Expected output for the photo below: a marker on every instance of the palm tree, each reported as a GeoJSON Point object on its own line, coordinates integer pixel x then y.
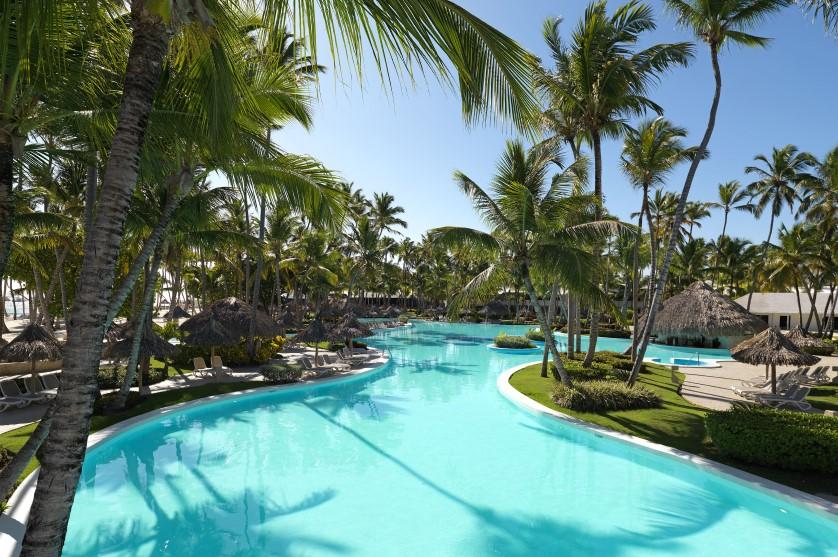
{"type": "Point", "coordinates": [732, 197]}
{"type": "Point", "coordinates": [778, 187]}
{"type": "Point", "coordinates": [384, 213]}
{"type": "Point", "coordinates": [717, 24]}
{"type": "Point", "coordinates": [530, 229]}
{"type": "Point", "coordinates": [826, 9]}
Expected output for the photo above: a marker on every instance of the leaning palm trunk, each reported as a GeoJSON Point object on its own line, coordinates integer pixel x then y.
{"type": "Point", "coordinates": [663, 272]}
{"type": "Point", "coordinates": [257, 283]}
{"type": "Point", "coordinates": [183, 183]}
{"type": "Point", "coordinates": [7, 207]}
{"type": "Point", "coordinates": [593, 335]}
{"type": "Point", "coordinates": [139, 328]}
{"type": "Point", "coordinates": [559, 371]}
{"type": "Point", "coordinates": [65, 445]}
{"type": "Point", "coordinates": [551, 315]}
{"type": "Point", "coordinates": [12, 471]}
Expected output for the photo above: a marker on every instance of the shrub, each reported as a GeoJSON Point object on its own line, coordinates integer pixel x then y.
{"type": "Point", "coordinates": [5, 457]}
{"type": "Point", "coordinates": [112, 376]}
{"type": "Point", "coordinates": [403, 318]}
{"type": "Point", "coordinates": [506, 341]}
{"type": "Point", "coordinates": [231, 355]}
{"type": "Point", "coordinates": [599, 396]}
{"type": "Point", "coordinates": [777, 438]}
{"type": "Point", "coordinates": [614, 360]}
{"type": "Point", "coordinates": [819, 350]}
{"type": "Point", "coordinates": [595, 372]}
{"type": "Point", "coordinates": [170, 330]}
{"type": "Point", "coordinates": [535, 334]}
{"type": "Point", "coordinates": [281, 373]}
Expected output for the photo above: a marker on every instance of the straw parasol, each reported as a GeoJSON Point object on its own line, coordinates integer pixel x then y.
{"type": "Point", "coordinates": [211, 333]}
{"type": "Point", "coordinates": [151, 344]}
{"type": "Point", "coordinates": [392, 312]}
{"type": "Point", "coordinates": [234, 317]}
{"type": "Point", "coordinates": [699, 311]}
{"type": "Point", "coordinates": [34, 343]}
{"type": "Point", "coordinates": [288, 320]}
{"type": "Point", "coordinates": [176, 312]}
{"type": "Point", "coordinates": [771, 348]}
{"type": "Point", "coordinates": [350, 328]}
{"type": "Point", "coordinates": [315, 332]}
{"type": "Point", "coordinates": [494, 308]}
{"type": "Point", "coordinates": [808, 343]}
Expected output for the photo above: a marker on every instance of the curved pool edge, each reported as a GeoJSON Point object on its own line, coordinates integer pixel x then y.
{"type": "Point", "coordinates": [791, 495]}
{"type": "Point", "coordinates": [13, 520]}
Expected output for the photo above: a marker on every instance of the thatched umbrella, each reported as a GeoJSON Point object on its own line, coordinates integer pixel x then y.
{"type": "Point", "coordinates": [176, 312]}
{"type": "Point", "coordinates": [288, 320]}
{"type": "Point", "coordinates": [350, 328]}
{"type": "Point", "coordinates": [494, 308]}
{"type": "Point", "coordinates": [392, 312]}
{"type": "Point", "coordinates": [151, 344]}
{"type": "Point", "coordinates": [700, 311]}
{"type": "Point", "coordinates": [771, 348]}
{"type": "Point", "coordinates": [316, 332]}
{"type": "Point", "coordinates": [806, 342]}
{"type": "Point", "coordinates": [34, 343]}
{"type": "Point", "coordinates": [234, 316]}
{"type": "Point", "coordinates": [210, 332]}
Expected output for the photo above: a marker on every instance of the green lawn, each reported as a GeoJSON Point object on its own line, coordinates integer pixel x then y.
{"type": "Point", "coordinates": [14, 440]}
{"type": "Point", "coordinates": [824, 397]}
{"type": "Point", "coordinates": [677, 423]}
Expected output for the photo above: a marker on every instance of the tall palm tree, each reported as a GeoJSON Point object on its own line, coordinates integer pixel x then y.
{"type": "Point", "coordinates": [529, 221]}
{"type": "Point", "coordinates": [825, 9]}
{"type": "Point", "coordinates": [717, 24]}
{"type": "Point", "coordinates": [732, 197]}
{"type": "Point", "coordinates": [601, 79]}
{"type": "Point", "coordinates": [384, 213]}
{"type": "Point", "coordinates": [777, 187]}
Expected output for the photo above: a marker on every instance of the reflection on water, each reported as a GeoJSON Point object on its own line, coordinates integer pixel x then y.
{"type": "Point", "coordinates": [422, 457]}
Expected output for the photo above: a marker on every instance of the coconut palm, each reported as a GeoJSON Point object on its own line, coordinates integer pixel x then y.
{"type": "Point", "coordinates": [778, 187]}
{"type": "Point", "coordinates": [384, 213]}
{"type": "Point", "coordinates": [732, 197]}
{"type": "Point", "coordinates": [825, 9]}
{"type": "Point", "coordinates": [529, 230]}
{"type": "Point", "coordinates": [717, 24]}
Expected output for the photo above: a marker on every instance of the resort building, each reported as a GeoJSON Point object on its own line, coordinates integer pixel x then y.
{"type": "Point", "coordinates": [781, 309]}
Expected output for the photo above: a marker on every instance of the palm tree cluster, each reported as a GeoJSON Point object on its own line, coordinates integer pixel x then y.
{"type": "Point", "coordinates": [141, 165]}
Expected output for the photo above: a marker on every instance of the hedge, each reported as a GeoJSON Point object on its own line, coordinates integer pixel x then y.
{"type": "Point", "coordinates": [777, 438]}
{"type": "Point", "coordinates": [599, 396]}
{"type": "Point", "coordinates": [281, 373]}
{"type": "Point", "coordinates": [535, 334]}
{"type": "Point", "coordinates": [506, 341]}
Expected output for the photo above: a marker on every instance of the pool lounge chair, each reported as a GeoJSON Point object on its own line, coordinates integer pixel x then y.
{"type": "Point", "coordinates": [34, 385]}
{"type": "Point", "coordinates": [795, 398]}
{"type": "Point", "coordinates": [10, 389]}
{"type": "Point", "coordinates": [201, 367]}
{"type": "Point", "coordinates": [12, 402]}
{"type": "Point", "coordinates": [316, 370]}
{"type": "Point", "coordinates": [218, 367]}
{"type": "Point", "coordinates": [760, 382]}
{"type": "Point", "coordinates": [350, 357]}
{"type": "Point", "coordinates": [50, 380]}
{"type": "Point", "coordinates": [326, 361]}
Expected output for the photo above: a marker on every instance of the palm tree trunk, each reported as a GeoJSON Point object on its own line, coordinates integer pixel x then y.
{"type": "Point", "coordinates": [7, 206]}
{"type": "Point", "coordinates": [593, 321]}
{"type": "Point", "coordinates": [577, 316]}
{"type": "Point", "coordinates": [551, 315]}
{"type": "Point", "coordinates": [90, 192]}
{"type": "Point", "coordinates": [140, 323]}
{"type": "Point", "coordinates": [679, 216]}
{"type": "Point", "coordinates": [257, 281]}
{"type": "Point", "coordinates": [184, 183]}
{"type": "Point", "coordinates": [756, 267]}
{"type": "Point", "coordinates": [635, 288]}
{"type": "Point", "coordinates": [571, 324]}
{"type": "Point", "coordinates": [559, 372]}
{"type": "Point", "coordinates": [799, 305]}
{"type": "Point", "coordinates": [719, 248]}
{"type": "Point", "coordinates": [65, 445]}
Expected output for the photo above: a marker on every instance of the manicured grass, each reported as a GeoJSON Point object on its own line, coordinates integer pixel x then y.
{"type": "Point", "coordinates": [677, 423]}
{"type": "Point", "coordinates": [14, 440]}
{"type": "Point", "coordinates": [824, 397]}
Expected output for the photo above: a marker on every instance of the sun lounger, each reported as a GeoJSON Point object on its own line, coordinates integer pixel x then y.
{"type": "Point", "coordinates": [35, 386]}
{"type": "Point", "coordinates": [50, 380]}
{"type": "Point", "coordinates": [10, 390]}
{"type": "Point", "coordinates": [347, 355]}
{"type": "Point", "coordinates": [327, 361]}
{"type": "Point", "coordinates": [794, 398]}
{"type": "Point", "coordinates": [218, 367]}
{"type": "Point", "coordinates": [315, 370]}
{"type": "Point", "coordinates": [201, 367]}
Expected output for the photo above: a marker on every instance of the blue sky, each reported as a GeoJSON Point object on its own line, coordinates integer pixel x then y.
{"type": "Point", "coordinates": [409, 141]}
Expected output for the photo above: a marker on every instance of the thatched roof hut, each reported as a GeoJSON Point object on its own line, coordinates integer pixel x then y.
{"type": "Point", "coordinates": [234, 316]}
{"type": "Point", "coordinates": [808, 343]}
{"type": "Point", "coordinates": [288, 320]}
{"type": "Point", "coordinates": [495, 308]}
{"type": "Point", "coordinates": [151, 344]}
{"type": "Point", "coordinates": [771, 348]}
{"type": "Point", "coordinates": [349, 327]}
{"type": "Point", "coordinates": [392, 312]}
{"type": "Point", "coordinates": [210, 332]}
{"type": "Point", "coordinates": [32, 344]}
{"type": "Point", "coordinates": [699, 312]}
{"type": "Point", "coordinates": [315, 332]}
{"type": "Point", "coordinates": [176, 312]}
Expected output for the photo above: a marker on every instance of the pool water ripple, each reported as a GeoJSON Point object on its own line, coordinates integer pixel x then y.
{"type": "Point", "coordinates": [422, 457]}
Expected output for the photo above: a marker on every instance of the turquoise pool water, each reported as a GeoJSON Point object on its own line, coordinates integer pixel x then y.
{"type": "Point", "coordinates": [422, 458]}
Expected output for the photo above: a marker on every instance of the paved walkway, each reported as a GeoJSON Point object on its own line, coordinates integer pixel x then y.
{"type": "Point", "coordinates": [13, 419]}
{"type": "Point", "coordinates": [711, 387]}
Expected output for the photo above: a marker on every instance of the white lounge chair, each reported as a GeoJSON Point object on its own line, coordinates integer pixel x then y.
{"type": "Point", "coordinates": [201, 367]}
{"type": "Point", "coordinates": [11, 390]}
{"type": "Point", "coordinates": [327, 361]}
{"type": "Point", "coordinates": [794, 398]}
{"type": "Point", "coordinates": [317, 371]}
{"type": "Point", "coordinates": [34, 386]}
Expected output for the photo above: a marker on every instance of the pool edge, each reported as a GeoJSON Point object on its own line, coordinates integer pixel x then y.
{"type": "Point", "coordinates": [794, 496]}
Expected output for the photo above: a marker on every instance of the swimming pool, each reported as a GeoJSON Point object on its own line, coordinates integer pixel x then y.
{"type": "Point", "coordinates": [421, 458]}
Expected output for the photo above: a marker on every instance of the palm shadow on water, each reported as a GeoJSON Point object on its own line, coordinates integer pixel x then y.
{"type": "Point", "coordinates": [687, 511]}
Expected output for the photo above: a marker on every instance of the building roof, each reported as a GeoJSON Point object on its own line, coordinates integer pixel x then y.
{"type": "Point", "coordinates": [764, 303]}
